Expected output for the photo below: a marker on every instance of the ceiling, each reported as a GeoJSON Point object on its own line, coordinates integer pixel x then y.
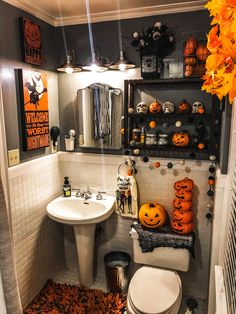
{"type": "Point", "coordinates": [69, 12]}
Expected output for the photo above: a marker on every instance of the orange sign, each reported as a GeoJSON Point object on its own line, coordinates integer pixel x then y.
{"type": "Point", "coordinates": [35, 114]}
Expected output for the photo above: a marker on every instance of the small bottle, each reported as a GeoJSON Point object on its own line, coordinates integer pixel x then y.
{"type": "Point", "coordinates": [136, 134]}
{"type": "Point", "coordinates": [66, 187]}
{"type": "Point", "coordinates": [142, 137]}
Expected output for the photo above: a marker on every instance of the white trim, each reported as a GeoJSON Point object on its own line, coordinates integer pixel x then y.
{"type": "Point", "coordinates": [133, 13]}
{"type": "Point", "coordinates": [33, 9]}
{"type": "Point", "coordinates": [221, 306]}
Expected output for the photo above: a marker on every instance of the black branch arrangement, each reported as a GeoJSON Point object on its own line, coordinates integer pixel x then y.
{"type": "Point", "coordinates": [158, 37]}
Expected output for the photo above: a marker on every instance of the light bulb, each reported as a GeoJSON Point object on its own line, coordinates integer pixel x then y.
{"type": "Point", "coordinates": [69, 70]}
{"type": "Point", "coordinates": [122, 67]}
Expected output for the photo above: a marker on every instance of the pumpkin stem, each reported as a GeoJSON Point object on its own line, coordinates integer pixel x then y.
{"type": "Point", "coordinates": [151, 205]}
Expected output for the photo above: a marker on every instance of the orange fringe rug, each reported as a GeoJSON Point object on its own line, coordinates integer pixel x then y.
{"type": "Point", "coordinates": [57, 298]}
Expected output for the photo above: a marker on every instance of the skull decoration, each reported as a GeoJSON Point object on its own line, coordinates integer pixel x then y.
{"type": "Point", "coordinates": [168, 107]}
{"type": "Point", "coordinates": [141, 107]}
{"type": "Point", "coordinates": [196, 106]}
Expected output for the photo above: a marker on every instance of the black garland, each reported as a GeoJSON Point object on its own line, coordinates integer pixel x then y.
{"type": "Point", "coordinates": [157, 37]}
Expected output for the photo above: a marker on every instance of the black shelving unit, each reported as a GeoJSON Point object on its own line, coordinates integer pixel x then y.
{"type": "Point", "coordinates": [174, 90]}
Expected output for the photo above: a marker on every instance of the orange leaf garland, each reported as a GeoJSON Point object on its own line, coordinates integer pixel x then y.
{"type": "Point", "coordinates": [220, 75]}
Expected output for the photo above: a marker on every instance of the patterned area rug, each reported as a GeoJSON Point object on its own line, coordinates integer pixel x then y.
{"type": "Point", "coordinates": [57, 298]}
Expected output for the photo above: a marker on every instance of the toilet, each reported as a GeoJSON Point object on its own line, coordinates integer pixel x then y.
{"type": "Point", "coordinates": [155, 288]}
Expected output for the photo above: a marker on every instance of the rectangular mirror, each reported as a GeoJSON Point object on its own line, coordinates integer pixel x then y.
{"type": "Point", "coordinates": [100, 109]}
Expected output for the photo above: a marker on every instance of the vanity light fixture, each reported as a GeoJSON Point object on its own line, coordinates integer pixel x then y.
{"type": "Point", "coordinates": [69, 66]}
{"type": "Point", "coordinates": [97, 64]}
{"type": "Point", "coordinates": [122, 63]}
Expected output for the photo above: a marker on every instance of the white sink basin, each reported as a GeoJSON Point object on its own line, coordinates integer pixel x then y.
{"type": "Point", "coordinates": [73, 210]}
{"type": "Point", "coordinates": [83, 215]}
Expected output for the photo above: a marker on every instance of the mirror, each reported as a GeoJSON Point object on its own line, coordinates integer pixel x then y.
{"type": "Point", "coordinates": [100, 109]}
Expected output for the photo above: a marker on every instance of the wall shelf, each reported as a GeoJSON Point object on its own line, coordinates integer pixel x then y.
{"type": "Point", "coordinates": [174, 90]}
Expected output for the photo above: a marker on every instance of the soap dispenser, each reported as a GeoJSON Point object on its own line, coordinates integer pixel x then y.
{"type": "Point", "coordinates": [66, 187]}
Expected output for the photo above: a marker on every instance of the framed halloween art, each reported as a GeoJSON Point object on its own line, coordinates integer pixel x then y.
{"type": "Point", "coordinates": [33, 105]}
{"type": "Point", "coordinates": [31, 42]}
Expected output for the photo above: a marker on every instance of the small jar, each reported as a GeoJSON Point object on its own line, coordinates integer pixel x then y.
{"type": "Point", "coordinates": [151, 139]}
{"type": "Point", "coordinates": [163, 139]}
{"type": "Point", "coordinates": [136, 135]}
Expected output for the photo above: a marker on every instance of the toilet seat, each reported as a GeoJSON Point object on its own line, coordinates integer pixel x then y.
{"type": "Point", "coordinates": [153, 290]}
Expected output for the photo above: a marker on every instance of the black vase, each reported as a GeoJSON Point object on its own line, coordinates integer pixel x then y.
{"type": "Point", "coordinates": [151, 64]}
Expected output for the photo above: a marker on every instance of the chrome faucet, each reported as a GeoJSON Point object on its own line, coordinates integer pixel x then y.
{"type": "Point", "coordinates": [99, 195]}
{"type": "Point", "coordinates": [79, 194]}
{"type": "Point", "coordinates": [87, 196]}
{"type": "Point", "coordinates": [88, 191]}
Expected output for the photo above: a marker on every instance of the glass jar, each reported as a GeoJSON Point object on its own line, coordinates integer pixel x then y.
{"type": "Point", "coordinates": [151, 139]}
{"type": "Point", "coordinates": [163, 139]}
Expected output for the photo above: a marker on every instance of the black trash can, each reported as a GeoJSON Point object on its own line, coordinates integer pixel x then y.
{"type": "Point", "coordinates": [117, 271]}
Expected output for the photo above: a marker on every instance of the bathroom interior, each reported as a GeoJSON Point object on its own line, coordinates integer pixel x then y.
{"type": "Point", "coordinates": [37, 246]}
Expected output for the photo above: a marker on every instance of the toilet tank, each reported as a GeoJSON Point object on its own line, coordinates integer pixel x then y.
{"type": "Point", "coordinates": [171, 258]}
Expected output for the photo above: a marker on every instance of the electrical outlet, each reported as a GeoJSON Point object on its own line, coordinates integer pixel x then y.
{"type": "Point", "coordinates": [13, 157]}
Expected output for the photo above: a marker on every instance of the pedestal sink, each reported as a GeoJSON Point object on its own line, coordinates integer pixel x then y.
{"type": "Point", "coordinates": [83, 215]}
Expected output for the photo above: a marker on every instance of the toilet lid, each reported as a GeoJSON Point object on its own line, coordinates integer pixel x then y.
{"type": "Point", "coordinates": [154, 290]}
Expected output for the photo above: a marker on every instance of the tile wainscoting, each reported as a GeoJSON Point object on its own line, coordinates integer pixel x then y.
{"type": "Point", "coordinates": [38, 241]}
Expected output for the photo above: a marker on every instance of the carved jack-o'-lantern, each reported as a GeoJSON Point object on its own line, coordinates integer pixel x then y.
{"type": "Point", "coordinates": [185, 184]}
{"type": "Point", "coordinates": [184, 107]}
{"type": "Point", "coordinates": [183, 195]}
{"type": "Point", "coordinates": [32, 34]}
{"type": "Point", "coordinates": [180, 139]}
{"type": "Point", "coordinates": [155, 107]}
{"type": "Point", "coordinates": [181, 205]}
{"type": "Point", "coordinates": [182, 216]}
{"type": "Point", "coordinates": [152, 215]}
{"type": "Point", "coordinates": [182, 228]}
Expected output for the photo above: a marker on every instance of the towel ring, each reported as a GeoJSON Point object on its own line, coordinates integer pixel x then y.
{"type": "Point", "coordinates": [127, 163]}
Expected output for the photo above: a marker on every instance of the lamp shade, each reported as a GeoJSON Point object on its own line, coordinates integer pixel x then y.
{"type": "Point", "coordinates": [97, 64]}
{"type": "Point", "coordinates": [69, 66]}
{"type": "Point", "coordinates": [122, 63]}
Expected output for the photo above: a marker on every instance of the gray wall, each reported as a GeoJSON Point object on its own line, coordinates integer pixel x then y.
{"type": "Point", "coordinates": [10, 59]}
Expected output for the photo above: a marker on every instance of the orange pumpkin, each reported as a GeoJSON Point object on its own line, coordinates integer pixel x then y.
{"type": "Point", "coordinates": [190, 46]}
{"type": "Point", "coordinates": [188, 70]}
{"type": "Point", "coordinates": [182, 216]}
{"type": "Point", "coordinates": [155, 107]}
{"type": "Point", "coordinates": [180, 139]}
{"type": "Point", "coordinates": [185, 184]}
{"type": "Point", "coordinates": [181, 205]}
{"type": "Point", "coordinates": [152, 124]}
{"type": "Point", "coordinates": [182, 228]}
{"type": "Point", "coordinates": [190, 61]}
{"type": "Point", "coordinates": [152, 215]}
{"type": "Point", "coordinates": [200, 146]}
{"type": "Point", "coordinates": [184, 107]}
{"type": "Point", "coordinates": [202, 52]}
{"type": "Point", "coordinates": [184, 195]}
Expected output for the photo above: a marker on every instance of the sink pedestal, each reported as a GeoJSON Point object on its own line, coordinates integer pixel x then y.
{"type": "Point", "coordinates": [84, 237]}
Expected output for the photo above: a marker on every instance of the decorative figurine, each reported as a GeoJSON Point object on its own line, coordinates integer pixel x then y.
{"type": "Point", "coordinates": [141, 107]}
{"type": "Point", "coordinates": [184, 106]}
{"type": "Point", "coordinates": [196, 106]}
{"type": "Point", "coordinates": [155, 107]}
{"type": "Point", "coordinates": [168, 107]}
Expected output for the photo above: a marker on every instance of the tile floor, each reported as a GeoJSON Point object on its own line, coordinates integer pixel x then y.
{"type": "Point", "coordinates": [71, 277]}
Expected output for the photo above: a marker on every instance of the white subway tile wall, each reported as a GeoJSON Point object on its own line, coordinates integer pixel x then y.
{"type": "Point", "coordinates": [100, 172]}
{"type": "Point", "coordinates": [38, 241]}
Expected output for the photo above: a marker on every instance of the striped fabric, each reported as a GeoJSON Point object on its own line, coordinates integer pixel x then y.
{"type": "Point", "coordinates": [11, 292]}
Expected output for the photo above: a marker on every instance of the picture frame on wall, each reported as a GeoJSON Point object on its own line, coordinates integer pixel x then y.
{"type": "Point", "coordinates": [151, 64]}
{"type": "Point", "coordinates": [31, 41]}
{"type": "Point", "coordinates": [33, 102]}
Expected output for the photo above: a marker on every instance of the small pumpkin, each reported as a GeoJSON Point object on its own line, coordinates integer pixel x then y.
{"type": "Point", "coordinates": [184, 184]}
{"type": "Point", "coordinates": [183, 216]}
{"type": "Point", "coordinates": [180, 139]}
{"type": "Point", "coordinates": [200, 146]}
{"type": "Point", "coordinates": [190, 46]}
{"type": "Point", "coordinates": [184, 106]}
{"type": "Point", "coordinates": [152, 124]}
{"type": "Point", "coordinates": [152, 215]}
{"type": "Point", "coordinates": [155, 107]}
{"type": "Point", "coordinates": [182, 228]}
{"type": "Point", "coordinates": [183, 195]}
{"type": "Point", "coordinates": [178, 204]}
{"type": "Point", "coordinates": [188, 71]}
{"type": "Point", "coordinates": [202, 52]}
{"type": "Point", "coordinates": [190, 61]}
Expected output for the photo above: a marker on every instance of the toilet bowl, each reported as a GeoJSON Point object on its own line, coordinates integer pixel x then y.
{"type": "Point", "coordinates": [156, 287]}
{"type": "Point", "coordinates": [154, 291]}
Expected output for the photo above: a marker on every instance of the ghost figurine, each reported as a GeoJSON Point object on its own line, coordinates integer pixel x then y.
{"type": "Point", "coordinates": [168, 107]}
{"type": "Point", "coordinates": [196, 106]}
{"type": "Point", "coordinates": [141, 107]}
